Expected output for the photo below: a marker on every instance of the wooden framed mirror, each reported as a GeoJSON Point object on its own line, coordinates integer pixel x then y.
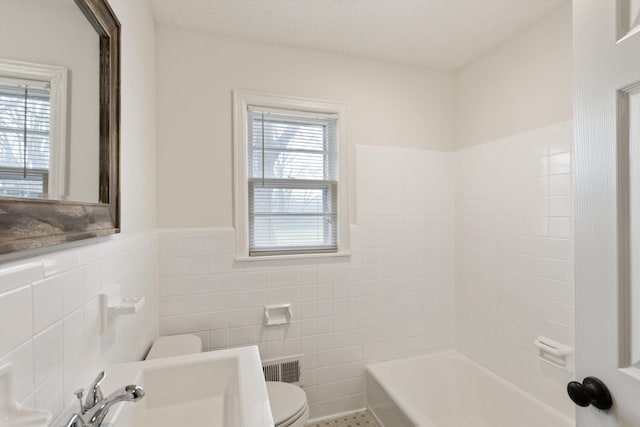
{"type": "Point", "coordinates": [28, 222]}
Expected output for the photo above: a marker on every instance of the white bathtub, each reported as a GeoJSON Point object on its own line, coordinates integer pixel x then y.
{"type": "Point", "coordinates": [447, 389]}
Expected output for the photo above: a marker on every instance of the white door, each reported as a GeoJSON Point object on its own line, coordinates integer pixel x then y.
{"type": "Point", "coordinates": [607, 141]}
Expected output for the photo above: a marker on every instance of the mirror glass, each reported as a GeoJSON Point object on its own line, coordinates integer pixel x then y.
{"type": "Point", "coordinates": [49, 102]}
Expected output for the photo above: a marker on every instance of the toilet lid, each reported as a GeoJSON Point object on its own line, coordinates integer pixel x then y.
{"type": "Point", "coordinates": [287, 400]}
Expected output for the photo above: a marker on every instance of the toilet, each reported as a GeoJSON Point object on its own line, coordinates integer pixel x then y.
{"type": "Point", "coordinates": [288, 404]}
{"type": "Point", "coordinates": [288, 401]}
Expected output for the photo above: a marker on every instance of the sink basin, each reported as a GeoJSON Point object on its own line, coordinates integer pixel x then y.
{"type": "Point", "coordinates": [223, 388]}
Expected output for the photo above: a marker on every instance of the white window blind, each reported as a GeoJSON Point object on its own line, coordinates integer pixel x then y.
{"type": "Point", "coordinates": [24, 138]}
{"type": "Point", "coordinates": [293, 182]}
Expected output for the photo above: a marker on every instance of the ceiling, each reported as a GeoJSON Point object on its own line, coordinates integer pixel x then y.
{"type": "Point", "coordinates": [444, 34]}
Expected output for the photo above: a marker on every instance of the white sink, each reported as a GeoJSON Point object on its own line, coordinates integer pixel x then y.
{"type": "Point", "coordinates": [223, 388]}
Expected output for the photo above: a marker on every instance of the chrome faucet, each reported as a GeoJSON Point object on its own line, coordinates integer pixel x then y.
{"type": "Point", "coordinates": [96, 407]}
{"type": "Point", "coordinates": [94, 395]}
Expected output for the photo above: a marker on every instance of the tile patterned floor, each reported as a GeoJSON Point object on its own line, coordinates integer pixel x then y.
{"type": "Point", "coordinates": [357, 419]}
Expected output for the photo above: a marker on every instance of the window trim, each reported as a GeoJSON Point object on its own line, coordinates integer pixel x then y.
{"type": "Point", "coordinates": [242, 100]}
{"type": "Point", "coordinates": [57, 78]}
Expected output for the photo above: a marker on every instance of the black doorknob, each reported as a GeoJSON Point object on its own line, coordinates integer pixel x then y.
{"type": "Point", "coordinates": [591, 391]}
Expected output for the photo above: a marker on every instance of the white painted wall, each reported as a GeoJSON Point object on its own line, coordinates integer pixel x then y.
{"type": "Point", "coordinates": [524, 84]}
{"type": "Point", "coordinates": [138, 148]}
{"type": "Point", "coordinates": [48, 303]}
{"type": "Point", "coordinates": [44, 33]}
{"type": "Point", "coordinates": [388, 105]}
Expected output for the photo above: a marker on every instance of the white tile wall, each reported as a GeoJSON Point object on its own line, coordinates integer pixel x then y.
{"type": "Point", "coordinates": [49, 319]}
{"type": "Point", "coordinates": [392, 298]}
{"type": "Point", "coordinates": [513, 220]}
{"type": "Point", "coordinates": [514, 256]}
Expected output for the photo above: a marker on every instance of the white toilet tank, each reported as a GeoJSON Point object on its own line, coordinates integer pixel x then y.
{"type": "Point", "coordinates": [175, 345]}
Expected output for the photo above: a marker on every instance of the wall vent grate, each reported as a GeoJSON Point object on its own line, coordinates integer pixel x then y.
{"type": "Point", "coordinates": [284, 369]}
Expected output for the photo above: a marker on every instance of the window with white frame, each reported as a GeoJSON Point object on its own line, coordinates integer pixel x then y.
{"type": "Point", "coordinates": [32, 130]}
{"type": "Point", "coordinates": [290, 186]}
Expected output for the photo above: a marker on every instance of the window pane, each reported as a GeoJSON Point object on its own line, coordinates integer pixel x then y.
{"type": "Point", "coordinates": [16, 185]}
{"type": "Point", "coordinates": [292, 171]}
{"type": "Point", "coordinates": [273, 232]}
{"type": "Point", "coordinates": [272, 199]}
{"type": "Point", "coordinates": [24, 140]}
{"type": "Point", "coordinates": [287, 134]}
{"type": "Point", "coordinates": [289, 165]}
{"type": "Point", "coordinates": [12, 150]}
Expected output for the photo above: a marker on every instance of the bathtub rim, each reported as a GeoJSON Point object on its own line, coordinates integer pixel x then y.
{"type": "Point", "coordinates": [414, 412]}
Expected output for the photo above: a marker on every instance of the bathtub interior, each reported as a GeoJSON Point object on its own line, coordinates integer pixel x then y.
{"type": "Point", "coordinates": [447, 389]}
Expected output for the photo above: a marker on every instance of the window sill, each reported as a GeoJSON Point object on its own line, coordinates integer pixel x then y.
{"type": "Point", "coordinates": [296, 256]}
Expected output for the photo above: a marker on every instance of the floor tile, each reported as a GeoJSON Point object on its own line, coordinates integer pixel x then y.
{"type": "Point", "coordinates": [357, 419]}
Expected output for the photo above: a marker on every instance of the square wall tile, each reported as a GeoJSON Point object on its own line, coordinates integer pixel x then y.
{"type": "Point", "coordinates": [16, 318]}
{"type": "Point", "coordinates": [48, 297]}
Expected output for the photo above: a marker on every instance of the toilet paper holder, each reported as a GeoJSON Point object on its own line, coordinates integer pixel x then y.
{"type": "Point", "coordinates": [277, 314]}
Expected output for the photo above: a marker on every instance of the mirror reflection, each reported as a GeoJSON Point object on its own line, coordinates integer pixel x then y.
{"type": "Point", "coordinates": [25, 112]}
{"type": "Point", "coordinates": [49, 101]}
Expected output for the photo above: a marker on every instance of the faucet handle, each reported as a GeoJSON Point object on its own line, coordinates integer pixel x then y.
{"type": "Point", "coordinates": [95, 394]}
{"type": "Point", "coordinates": [79, 392]}
{"type": "Point", "coordinates": [75, 421]}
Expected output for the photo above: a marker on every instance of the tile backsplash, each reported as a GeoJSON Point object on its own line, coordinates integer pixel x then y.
{"type": "Point", "coordinates": [515, 256]}
{"type": "Point", "coordinates": [392, 297]}
{"type": "Point", "coordinates": [50, 320]}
